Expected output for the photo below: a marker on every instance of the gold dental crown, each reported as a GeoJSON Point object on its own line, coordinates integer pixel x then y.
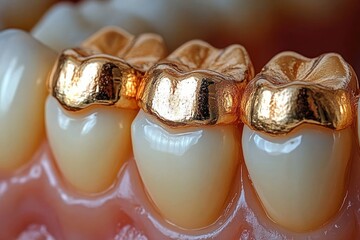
{"type": "Point", "coordinates": [292, 89]}
{"type": "Point", "coordinates": [197, 84]}
{"type": "Point", "coordinates": [106, 70]}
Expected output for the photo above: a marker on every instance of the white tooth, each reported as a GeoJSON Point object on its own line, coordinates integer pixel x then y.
{"type": "Point", "coordinates": [81, 21]}
{"type": "Point", "coordinates": [299, 177]}
{"type": "Point", "coordinates": [97, 13]}
{"type": "Point", "coordinates": [22, 14]}
{"type": "Point", "coordinates": [187, 172]}
{"type": "Point", "coordinates": [62, 27]}
{"type": "Point", "coordinates": [25, 64]}
{"type": "Point", "coordinates": [89, 146]}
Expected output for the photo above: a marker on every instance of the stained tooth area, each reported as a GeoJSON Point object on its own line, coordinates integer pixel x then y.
{"type": "Point", "coordinates": [25, 64]}
{"type": "Point", "coordinates": [300, 177]}
{"type": "Point", "coordinates": [90, 145]}
{"type": "Point", "coordinates": [187, 171]}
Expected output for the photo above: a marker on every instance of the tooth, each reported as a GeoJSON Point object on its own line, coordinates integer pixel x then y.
{"type": "Point", "coordinates": [299, 170]}
{"type": "Point", "coordinates": [89, 146]}
{"type": "Point", "coordinates": [25, 64]}
{"type": "Point", "coordinates": [89, 125]}
{"type": "Point", "coordinates": [59, 32]}
{"type": "Point", "coordinates": [299, 177]}
{"type": "Point", "coordinates": [186, 164]}
{"type": "Point", "coordinates": [81, 21]}
{"type": "Point", "coordinates": [30, 13]}
{"type": "Point", "coordinates": [181, 172]}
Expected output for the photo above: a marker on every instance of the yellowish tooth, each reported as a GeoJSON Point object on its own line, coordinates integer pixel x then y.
{"type": "Point", "coordinates": [92, 103]}
{"type": "Point", "coordinates": [187, 171]}
{"type": "Point", "coordinates": [300, 177]}
{"type": "Point", "coordinates": [185, 137]}
{"type": "Point", "coordinates": [297, 139]}
{"type": "Point", "coordinates": [25, 65]}
{"type": "Point", "coordinates": [89, 146]}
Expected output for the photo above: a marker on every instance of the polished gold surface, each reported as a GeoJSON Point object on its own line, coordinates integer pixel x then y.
{"type": "Point", "coordinates": [106, 70]}
{"type": "Point", "coordinates": [292, 89]}
{"type": "Point", "coordinates": [196, 85]}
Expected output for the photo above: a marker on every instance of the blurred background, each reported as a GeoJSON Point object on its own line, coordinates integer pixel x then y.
{"type": "Point", "coordinates": [264, 27]}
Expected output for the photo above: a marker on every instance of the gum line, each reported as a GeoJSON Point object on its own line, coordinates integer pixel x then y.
{"type": "Point", "coordinates": [35, 201]}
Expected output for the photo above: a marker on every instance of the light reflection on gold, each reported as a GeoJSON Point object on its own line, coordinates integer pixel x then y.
{"type": "Point", "coordinates": [292, 89]}
{"type": "Point", "coordinates": [107, 70]}
{"type": "Point", "coordinates": [197, 84]}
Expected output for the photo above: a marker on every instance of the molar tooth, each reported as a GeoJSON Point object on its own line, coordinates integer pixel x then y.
{"type": "Point", "coordinates": [89, 131]}
{"type": "Point", "coordinates": [183, 159]}
{"type": "Point", "coordinates": [298, 170]}
{"type": "Point", "coordinates": [82, 20]}
{"type": "Point", "coordinates": [59, 32]}
{"type": "Point", "coordinates": [25, 65]}
{"type": "Point", "coordinates": [183, 168]}
{"type": "Point", "coordinates": [300, 178]}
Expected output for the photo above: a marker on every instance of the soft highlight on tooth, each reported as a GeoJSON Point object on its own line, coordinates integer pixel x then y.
{"type": "Point", "coordinates": [89, 146]}
{"type": "Point", "coordinates": [187, 172]}
{"type": "Point", "coordinates": [161, 141]}
{"type": "Point", "coordinates": [25, 65]}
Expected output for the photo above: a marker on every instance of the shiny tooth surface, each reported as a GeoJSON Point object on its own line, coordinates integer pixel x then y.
{"type": "Point", "coordinates": [299, 177]}
{"type": "Point", "coordinates": [25, 65]}
{"type": "Point", "coordinates": [89, 146]}
{"type": "Point", "coordinates": [187, 172]}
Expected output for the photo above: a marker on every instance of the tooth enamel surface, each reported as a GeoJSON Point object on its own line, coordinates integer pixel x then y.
{"type": "Point", "coordinates": [25, 64]}
{"type": "Point", "coordinates": [59, 32]}
{"type": "Point", "coordinates": [187, 171]}
{"type": "Point", "coordinates": [90, 145]}
{"type": "Point", "coordinates": [300, 177]}
{"type": "Point", "coordinates": [82, 20]}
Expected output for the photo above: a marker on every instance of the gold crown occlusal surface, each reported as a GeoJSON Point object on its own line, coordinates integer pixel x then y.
{"type": "Point", "coordinates": [106, 70]}
{"type": "Point", "coordinates": [197, 85]}
{"type": "Point", "coordinates": [292, 89]}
